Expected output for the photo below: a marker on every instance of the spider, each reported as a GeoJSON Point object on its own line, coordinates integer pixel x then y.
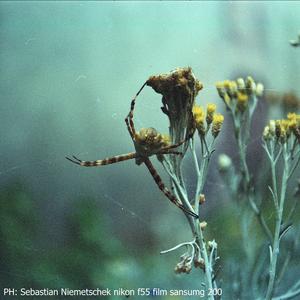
{"type": "Point", "coordinates": [147, 142]}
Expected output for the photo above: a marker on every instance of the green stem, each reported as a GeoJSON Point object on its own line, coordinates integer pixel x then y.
{"type": "Point", "coordinates": [179, 190]}
{"type": "Point", "coordinates": [279, 215]}
{"type": "Point", "coordinates": [201, 176]}
{"type": "Point", "coordinates": [247, 185]}
{"type": "Point", "coordinates": [274, 185]}
{"type": "Point", "coordinates": [208, 267]}
{"type": "Point", "coordinates": [201, 171]}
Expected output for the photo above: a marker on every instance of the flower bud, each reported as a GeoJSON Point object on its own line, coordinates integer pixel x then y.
{"type": "Point", "coordinates": [201, 199]}
{"type": "Point", "coordinates": [224, 162]}
{"type": "Point", "coordinates": [218, 120]}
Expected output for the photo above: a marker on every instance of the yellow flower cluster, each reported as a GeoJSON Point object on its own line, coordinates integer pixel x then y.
{"type": "Point", "coordinates": [283, 129]}
{"type": "Point", "coordinates": [200, 118]}
{"type": "Point", "coordinates": [237, 93]}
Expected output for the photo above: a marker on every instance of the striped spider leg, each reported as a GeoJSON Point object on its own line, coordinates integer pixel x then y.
{"type": "Point", "coordinates": [129, 117]}
{"type": "Point", "coordinates": [147, 142]}
{"type": "Point", "coordinates": [102, 162]}
{"type": "Point", "coordinates": [151, 133]}
{"type": "Point", "coordinates": [165, 190]}
{"type": "Point", "coordinates": [117, 158]}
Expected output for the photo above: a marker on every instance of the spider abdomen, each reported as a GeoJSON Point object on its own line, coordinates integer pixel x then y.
{"type": "Point", "coordinates": [149, 141]}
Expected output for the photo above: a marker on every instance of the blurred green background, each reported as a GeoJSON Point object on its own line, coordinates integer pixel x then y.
{"type": "Point", "coordinates": [68, 71]}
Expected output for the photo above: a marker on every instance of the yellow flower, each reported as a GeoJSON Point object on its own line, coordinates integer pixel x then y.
{"type": "Point", "coordinates": [227, 84]}
{"type": "Point", "coordinates": [219, 85]}
{"type": "Point", "coordinates": [291, 116]}
{"type": "Point", "coordinates": [284, 128]}
{"type": "Point", "coordinates": [277, 128]}
{"type": "Point", "coordinates": [199, 117]}
{"type": "Point", "coordinates": [250, 86]}
{"type": "Point", "coordinates": [266, 134]}
{"type": "Point", "coordinates": [221, 89]}
{"type": "Point", "coordinates": [218, 120]}
{"type": "Point", "coordinates": [272, 126]}
{"type": "Point", "coordinates": [232, 88]}
{"type": "Point", "coordinates": [292, 124]}
{"type": "Point", "coordinates": [283, 134]}
{"type": "Point", "coordinates": [210, 110]}
{"type": "Point", "coordinates": [242, 101]}
{"type": "Point", "coordinates": [241, 84]}
{"type": "Point", "coordinates": [237, 93]}
{"type": "Point", "coordinates": [294, 120]}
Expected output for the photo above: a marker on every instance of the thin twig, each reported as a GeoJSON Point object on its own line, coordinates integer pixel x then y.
{"type": "Point", "coordinates": [177, 247]}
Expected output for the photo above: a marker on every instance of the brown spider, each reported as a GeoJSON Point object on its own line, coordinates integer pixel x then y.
{"type": "Point", "coordinates": [147, 142]}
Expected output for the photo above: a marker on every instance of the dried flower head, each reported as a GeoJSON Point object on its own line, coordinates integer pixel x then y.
{"type": "Point", "coordinates": [199, 263]}
{"type": "Point", "coordinates": [203, 225]}
{"type": "Point", "coordinates": [185, 264]}
{"type": "Point", "coordinates": [266, 133]}
{"type": "Point", "coordinates": [201, 199]}
{"type": "Point", "coordinates": [179, 89]}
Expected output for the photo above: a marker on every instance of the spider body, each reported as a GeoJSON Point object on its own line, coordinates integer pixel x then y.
{"type": "Point", "coordinates": [147, 142]}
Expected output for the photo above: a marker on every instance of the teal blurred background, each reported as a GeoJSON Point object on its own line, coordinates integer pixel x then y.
{"type": "Point", "coordinates": [68, 71]}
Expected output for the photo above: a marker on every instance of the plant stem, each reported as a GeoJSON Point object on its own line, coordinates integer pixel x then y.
{"type": "Point", "coordinates": [247, 185]}
{"type": "Point", "coordinates": [201, 176]}
{"type": "Point", "coordinates": [201, 171]}
{"type": "Point", "coordinates": [208, 267]}
{"type": "Point", "coordinates": [174, 171]}
{"type": "Point", "coordinates": [279, 214]}
{"type": "Point", "coordinates": [179, 189]}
